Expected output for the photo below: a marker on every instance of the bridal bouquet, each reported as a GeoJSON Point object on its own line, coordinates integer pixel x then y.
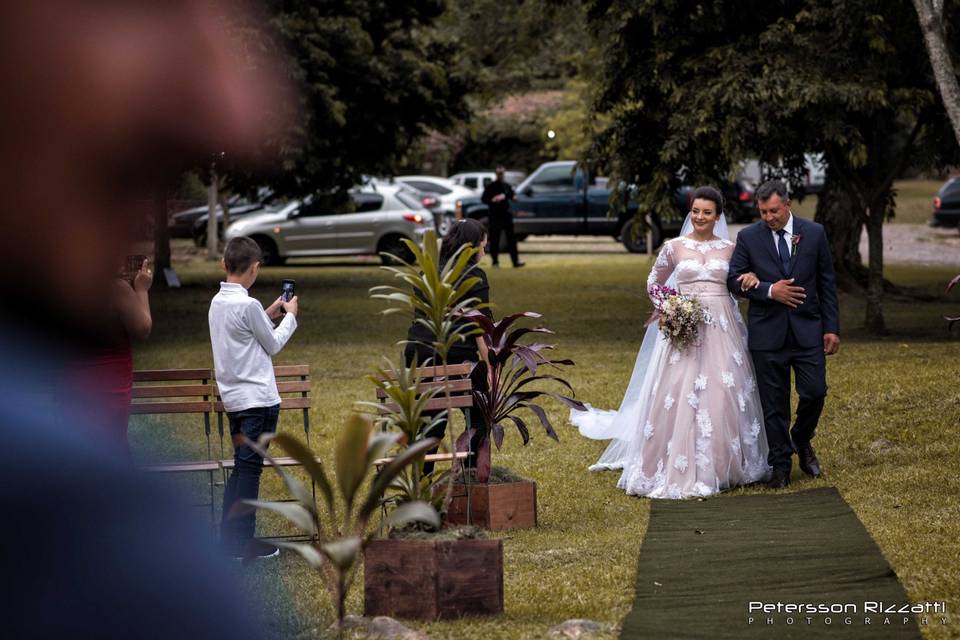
{"type": "Point", "coordinates": [680, 316]}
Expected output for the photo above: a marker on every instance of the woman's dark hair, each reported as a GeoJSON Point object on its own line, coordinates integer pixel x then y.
{"type": "Point", "coordinates": [708, 193]}
{"type": "Point", "coordinates": [467, 231]}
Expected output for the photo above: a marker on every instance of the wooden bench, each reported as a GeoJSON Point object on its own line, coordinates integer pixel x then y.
{"type": "Point", "coordinates": [179, 392]}
{"type": "Point", "coordinates": [194, 391]}
{"type": "Point", "coordinates": [293, 383]}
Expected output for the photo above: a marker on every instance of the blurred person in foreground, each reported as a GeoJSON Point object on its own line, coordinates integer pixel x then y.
{"type": "Point", "coordinates": [102, 104]}
{"type": "Point", "coordinates": [244, 340]}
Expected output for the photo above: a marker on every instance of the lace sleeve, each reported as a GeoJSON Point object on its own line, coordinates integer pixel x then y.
{"type": "Point", "coordinates": [663, 267]}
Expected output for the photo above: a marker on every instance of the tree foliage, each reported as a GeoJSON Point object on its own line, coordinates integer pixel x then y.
{"type": "Point", "coordinates": [702, 85]}
{"type": "Point", "coordinates": [372, 78]}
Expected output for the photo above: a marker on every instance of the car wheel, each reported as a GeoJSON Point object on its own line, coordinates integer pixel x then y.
{"type": "Point", "coordinates": [268, 249]}
{"type": "Point", "coordinates": [634, 237]}
{"type": "Point", "coordinates": [394, 246]}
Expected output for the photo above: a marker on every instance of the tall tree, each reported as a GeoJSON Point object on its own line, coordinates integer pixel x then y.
{"type": "Point", "coordinates": [373, 77]}
{"type": "Point", "coordinates": [701, 86]}
{"type": "Point", "coordinates": [932, 22]}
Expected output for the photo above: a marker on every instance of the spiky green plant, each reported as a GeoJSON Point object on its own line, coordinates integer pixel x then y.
{"type": "Point", "coordinates": [340, 535]}
{"type": "Point", "coordinates": [401, 385]}
{"type": "Point", "coordinates": [434, 295]}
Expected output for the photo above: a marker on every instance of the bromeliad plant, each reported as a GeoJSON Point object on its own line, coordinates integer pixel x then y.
{"type": "Point", "coordinates": [341, 533]}
{"type": "Point", "coordinates": [402, 388]}
{"type": "Point", "coordinates": [434, 295]}
{"type": "Point", "coordinates": [504, 384]}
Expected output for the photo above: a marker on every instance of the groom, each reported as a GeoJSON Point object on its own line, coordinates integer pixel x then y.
{"type": "Point", "coordinates": [793, 323]}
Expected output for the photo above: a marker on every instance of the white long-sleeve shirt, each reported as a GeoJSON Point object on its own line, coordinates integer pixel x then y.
{"type": "Point", "coordinates": [243, 339]}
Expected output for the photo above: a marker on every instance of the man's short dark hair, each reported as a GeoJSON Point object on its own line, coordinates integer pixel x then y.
{"type": "Point", "coordinates": [772, 187]}
{"type": "Point", "coordinates": [239, 254]}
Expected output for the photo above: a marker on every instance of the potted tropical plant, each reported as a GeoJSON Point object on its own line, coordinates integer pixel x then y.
{"type": "Point", "coordinates": [418, 570]}
{"type": "Point", "coordinates": [510, 381]}
{"type": "Point", "coordinates": [340, 534]}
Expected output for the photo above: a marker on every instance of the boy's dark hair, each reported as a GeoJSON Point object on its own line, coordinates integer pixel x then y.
{"type": "Point", "coordinates": [239, 254]}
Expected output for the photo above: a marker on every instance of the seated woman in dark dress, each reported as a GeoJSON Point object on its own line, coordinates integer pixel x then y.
{"type": "Point", "coordinates": [419, 349]}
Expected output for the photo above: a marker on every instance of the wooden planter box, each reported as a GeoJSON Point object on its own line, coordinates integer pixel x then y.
{"type": "Point", "coordinates": [430, 579]}
{"type": "Point", "coordinates": [495, 506]}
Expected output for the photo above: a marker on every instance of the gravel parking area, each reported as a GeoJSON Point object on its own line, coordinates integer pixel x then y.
{"type": "Point", "coordinates": [903, 244]}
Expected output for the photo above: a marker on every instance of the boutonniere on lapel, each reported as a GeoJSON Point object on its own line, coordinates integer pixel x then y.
{"type": "Point", "coordinates": [794, 241]}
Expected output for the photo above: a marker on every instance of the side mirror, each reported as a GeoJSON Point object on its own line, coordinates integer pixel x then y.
{"type": "Point", "coordinates": [527, 192]}
{"type": "Point", "coordinates": [294, 214]}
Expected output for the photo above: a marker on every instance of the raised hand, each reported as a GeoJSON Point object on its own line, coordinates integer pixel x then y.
{"type": "Point", "coordinates": [291, 306]}
{"type": "Point", "coordinates": [784, 292]}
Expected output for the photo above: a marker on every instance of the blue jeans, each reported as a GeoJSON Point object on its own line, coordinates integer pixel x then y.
{"type": "Point", "coordinates": [244, 481]}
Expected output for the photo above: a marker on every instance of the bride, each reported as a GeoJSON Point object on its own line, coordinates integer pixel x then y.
{"type": "Point", "coordinates": [690, 423]}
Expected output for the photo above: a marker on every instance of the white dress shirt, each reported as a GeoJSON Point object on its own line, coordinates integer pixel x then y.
{"type": "Point", "coordinates": [788, 236]}
{"type": "Point", "coordinates": [243, 339]}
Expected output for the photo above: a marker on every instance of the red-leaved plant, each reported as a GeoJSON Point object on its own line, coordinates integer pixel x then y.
{"type": "Point", "coordinates": [503, 385]}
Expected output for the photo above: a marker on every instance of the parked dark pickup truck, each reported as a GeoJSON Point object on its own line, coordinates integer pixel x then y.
{"type": "Point", "coordinates": [561, 198]}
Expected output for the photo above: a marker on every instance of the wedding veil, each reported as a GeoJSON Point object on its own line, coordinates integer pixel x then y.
{"type": "Point", "coordinates": [622, 426]}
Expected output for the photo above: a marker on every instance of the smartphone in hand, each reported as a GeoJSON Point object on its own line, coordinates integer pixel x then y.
{"type": "Point", "coordinates": [287, 289]}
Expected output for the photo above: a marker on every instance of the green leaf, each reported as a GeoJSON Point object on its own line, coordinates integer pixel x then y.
{"type": "Point", "coordinates": [307, 551]}
{"type": "Point", "coordinates": [351, 455]}
{"type": "Point", "coordinates": [292, 511]}
{"type": "Point", "coordinates": [342, 553]}
{"type": "Point", "coordinates": [299, 452]}
{"type": "Point", "coordinates": [411, 512]}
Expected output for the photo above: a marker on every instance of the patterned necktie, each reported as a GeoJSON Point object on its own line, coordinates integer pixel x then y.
{"type": "Point", "coordinates": [784, 251]}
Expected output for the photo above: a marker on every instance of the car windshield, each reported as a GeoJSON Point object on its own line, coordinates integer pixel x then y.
{"type": "Point", "coordinates": [429, 187]}
{"type": "Point", "coordinates": [409, 200]}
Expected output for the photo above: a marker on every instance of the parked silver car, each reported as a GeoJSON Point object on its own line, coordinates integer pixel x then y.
{"type": "Point", "coordinates": [384, 216]}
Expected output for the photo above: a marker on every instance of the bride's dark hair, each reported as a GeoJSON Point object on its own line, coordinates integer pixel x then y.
{"type": "Point", "coordinates": [708, 193]}
{"type": "Point", "coordinates": [468, 231]}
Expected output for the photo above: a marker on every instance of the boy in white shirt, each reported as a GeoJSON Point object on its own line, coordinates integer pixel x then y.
{"type": "Point", "coordinates": [244, 339]}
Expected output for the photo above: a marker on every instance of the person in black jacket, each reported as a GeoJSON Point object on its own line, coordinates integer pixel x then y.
{"type": "Point", "coordinates": [420, 339]}
{"type": "Point", "coordinates": [497, 196]}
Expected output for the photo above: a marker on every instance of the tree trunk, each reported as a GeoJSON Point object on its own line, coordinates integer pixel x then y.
{"type": "Point", "coordinates": [930, 13]}
{"type": "Point", "coordinates": [224, 198]}
{"type": "Point", "coordinates": [844, 227]}
{"type": "Point", "coordinates": [161, 239]}
{"type": "Point", "coordinates": [212, 237]}
{"type": "Point", "coordinates": [874, 321]}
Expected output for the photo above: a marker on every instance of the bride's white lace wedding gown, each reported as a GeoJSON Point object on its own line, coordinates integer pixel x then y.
{"type": "Point", "coordinates": [691, 424]}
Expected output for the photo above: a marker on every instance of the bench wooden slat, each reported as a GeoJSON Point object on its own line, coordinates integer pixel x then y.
{"type": "Point", "coordinates": [183, 467]}
{"type": "Point", "coordinates": [453, 371]}
{"type": "Point", "coordinates": [285, 403]}
{"type": "Point", "coordinates": [436, 404]}
{"type": "Point", "coordinates": [293, 386]}
{"type": "Point", "coordinates": [173, 391]}
{"type": "Point", "coordinates": [281, 462]}
{"type": "Point", "coordinates": [294, 403]}
{"type": "Point", "coordinates": [157, 375]}
{"type": "Point", "coordinates": [459, 385]}
{"type": "Point", "coordinates": [286, 370]}
{"type": "Point", "coordinates": [432, 457]}
{"type": "Point", "coordinates": [141, 408]}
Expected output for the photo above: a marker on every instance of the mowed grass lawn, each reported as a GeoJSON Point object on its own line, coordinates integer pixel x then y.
{"type": "Point", "coordinates": [888, 439]}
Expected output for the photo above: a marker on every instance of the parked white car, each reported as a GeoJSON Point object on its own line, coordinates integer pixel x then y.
{"type": "Point", "coordinates": [384, 216]}
{"type": "Point", "coordinates": [442, 188]}
{"type": "Point", "coordinates": [477, 180]}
